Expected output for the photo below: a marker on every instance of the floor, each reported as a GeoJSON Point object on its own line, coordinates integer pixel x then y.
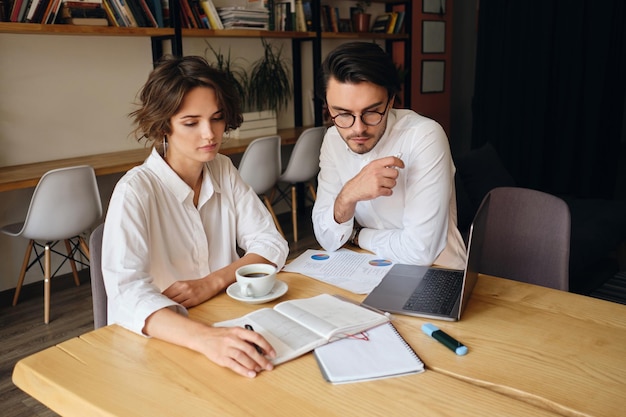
{"type": "Point", "coordinates": [23, 332]}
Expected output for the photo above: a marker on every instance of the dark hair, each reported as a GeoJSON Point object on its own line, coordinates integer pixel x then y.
{"type": "Point", "coordinates": [167, 85]}
{"type": "Point", "coordinates": [356, 62]}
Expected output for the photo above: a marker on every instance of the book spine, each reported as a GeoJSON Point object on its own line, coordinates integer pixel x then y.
{"type": "Point", "coordinates": [271, 24]}
{"type": "Point", "coordinates": [150, 19]}
{"type": "Point", "coordinates": [214, 17]}
{"type": "Point", "coordinates": [157, 11]}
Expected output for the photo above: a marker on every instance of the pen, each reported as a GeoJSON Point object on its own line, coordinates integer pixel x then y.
{"type": "Point", "coordinates": [257, 347]}
{"type": "Point", "coordinates": [444, 338]}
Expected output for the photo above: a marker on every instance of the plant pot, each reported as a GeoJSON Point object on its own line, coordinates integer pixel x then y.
{"type": "Point", "coordinates": [361, 22]}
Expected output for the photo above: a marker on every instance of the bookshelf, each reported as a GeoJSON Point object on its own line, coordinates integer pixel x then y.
{"type": "Point", "coordinates": [176, 33]}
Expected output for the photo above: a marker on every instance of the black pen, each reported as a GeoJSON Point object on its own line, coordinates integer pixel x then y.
{"type": "Point", "coordinates": [257, 347]}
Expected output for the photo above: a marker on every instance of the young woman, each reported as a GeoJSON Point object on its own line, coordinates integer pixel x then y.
{"type": "Point", "coordinates": [174, 223]}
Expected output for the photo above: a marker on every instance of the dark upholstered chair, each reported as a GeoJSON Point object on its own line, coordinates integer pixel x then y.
{"type": "Point", "coordinates": [527, 237]}
{"type": "Point", "coordinates": [598, 226]}
{"type": "Point", "coordinates": [98, 293]}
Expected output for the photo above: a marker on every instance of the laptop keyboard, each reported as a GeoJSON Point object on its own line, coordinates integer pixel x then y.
{"type": "Point", "coordinates": [436, 293]}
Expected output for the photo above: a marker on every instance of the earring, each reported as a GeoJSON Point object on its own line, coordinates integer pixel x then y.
{"type": "Point", "coordinates": [164, 146]}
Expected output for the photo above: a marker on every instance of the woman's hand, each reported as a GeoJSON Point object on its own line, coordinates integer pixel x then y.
{"type": "Point", "coordinates": [235, 348]}
{"type": "Point", "coordinates": [190, 293]}
{"type": "Point", "coordinates": [230, 347]}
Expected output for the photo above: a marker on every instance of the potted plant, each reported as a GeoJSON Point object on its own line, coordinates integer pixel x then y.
{"type": "Point", "coordinates": [235, 73]}
{"type": "Point", "coordinates": [265, 88]}
{"type": "Point", "coordinates": [269, 80]}
{"type": "Point", "coordinates": [268, 91]}
{"type": "Point", "coordinates": [360, 17]}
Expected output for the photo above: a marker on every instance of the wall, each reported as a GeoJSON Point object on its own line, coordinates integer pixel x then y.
{"type": "Point", "coordinates": [64, 96]}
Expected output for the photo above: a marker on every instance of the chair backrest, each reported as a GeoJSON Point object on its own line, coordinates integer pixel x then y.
{"type": "Point", "coordinates": [98, 292]}
{"type": "Point", "coordinates": [260, 164]}
{"type": "Point", "coordinates": [304, 162]}
{"type": "Point", "coordinates": [527, 237]}
{"type": "Point", "coordinates": [65, 203]}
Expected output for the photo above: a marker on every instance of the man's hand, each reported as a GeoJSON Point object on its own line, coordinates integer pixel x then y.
{"type": "Point", "coordinates": [376, 179]}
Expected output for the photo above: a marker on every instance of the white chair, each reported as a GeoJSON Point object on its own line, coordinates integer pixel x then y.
{"type": "Point", "coordinates": [260, 167]}
{"type": "Point", "coordinates": [302, 168]}
{"type": "Point", "coordinates": [65, 204]}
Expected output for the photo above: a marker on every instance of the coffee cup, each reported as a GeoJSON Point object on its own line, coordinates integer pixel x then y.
{"type": "Point", "coordinates": [255, 280]}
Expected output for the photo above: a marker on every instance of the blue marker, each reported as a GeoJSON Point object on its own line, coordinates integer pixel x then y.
{"type": "Point", "coordinates": [444, 338]}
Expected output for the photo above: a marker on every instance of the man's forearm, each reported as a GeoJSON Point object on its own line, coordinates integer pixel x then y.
{"type": "Point", "coordinates": [343, 209]}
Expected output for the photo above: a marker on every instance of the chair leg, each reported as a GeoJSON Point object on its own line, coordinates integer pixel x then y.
{"type": "Point", "coordinates": [46, 285]}
{"type": "Point", "coordinates": [20, 280]}
{"type": "Point", "coordinates": [294, 212]}
{"type": "Point", "coordinates": [84, 247]}
{"type": "Point", "coordinates": [68, 248]}
{"type": "Point", "coordinates": [268, 204]}
{"type": "Point", "coordinates": [312, 190]}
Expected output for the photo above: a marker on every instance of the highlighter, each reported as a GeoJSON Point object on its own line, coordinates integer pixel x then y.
{"type": "Point", "coordinates": [444, 338]}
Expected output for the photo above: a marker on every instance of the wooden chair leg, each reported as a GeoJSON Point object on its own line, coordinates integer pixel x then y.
{"type": "Point", "coordinates": [46, 285]}
{"type": "Point", "coordinates": [20, 280]}
{"type": "Point", "coordinates": [84, 247]}
{"type": "Point", "coordinates": [68, 249]}
{"type": "Point", "coordinates": [294, 212]}
{"type": "Point", "coordinates": [312, 190]}
{"type": "Point", "coordinates": [268, 204]}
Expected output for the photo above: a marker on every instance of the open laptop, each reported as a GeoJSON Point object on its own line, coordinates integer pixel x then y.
{"type": "Point", "coordinates": [404, 289]}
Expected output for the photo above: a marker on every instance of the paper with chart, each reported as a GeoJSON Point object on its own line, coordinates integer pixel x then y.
{"type": "Point", "coordinates": [350, 270]}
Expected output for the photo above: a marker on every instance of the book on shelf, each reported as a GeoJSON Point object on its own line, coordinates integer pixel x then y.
{"type": "Point", "coordinates": [296, 327]}
{"type": "Point", "coordinates": [53, 12]}
{"type": "Point", "coordinates": [392, 22]}
{"type": "Point", "coordinates": [300, 19]}
{"type": "Point", "coordinates": [156, 8]}
{"type": "Point", "coordinates": [235, 17]}
{"type": "Point", "coordinates": [214, 18]}
{"type": "Point", "coordinates": [381, 23]}
{"type": "Point", "coordinates": [378, 353]}
{"type": "Point", "coordinates": [399, 22]}
{"type": "Point", "coordinates": [86, 21]}
{"type": "Point", "coordinates": [147, 13]}
{"type": "Point", "coordinates": [125, 12]}
{"type": "Point", "coordinates": [308, 15]}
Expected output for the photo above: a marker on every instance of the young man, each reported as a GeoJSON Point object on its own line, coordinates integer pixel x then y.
{"type": "Point", "coordinates": [386, 180]}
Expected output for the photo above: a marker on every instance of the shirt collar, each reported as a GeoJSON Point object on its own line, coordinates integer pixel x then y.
{"type": "Point", "coordinates": [176, 185]}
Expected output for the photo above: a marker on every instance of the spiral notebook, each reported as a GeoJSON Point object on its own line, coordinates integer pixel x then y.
{"type": "Point", "coordinates": [378, 353]}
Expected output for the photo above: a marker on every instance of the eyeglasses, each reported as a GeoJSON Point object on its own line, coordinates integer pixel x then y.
{"type": "Point", "coordinates": [369, 118]}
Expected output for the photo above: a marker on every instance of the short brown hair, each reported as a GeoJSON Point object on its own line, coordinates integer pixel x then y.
{"type": "Point", "coordinates": [169, 82]}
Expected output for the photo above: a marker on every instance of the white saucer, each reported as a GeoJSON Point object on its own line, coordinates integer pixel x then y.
{"type": "Point", "coordinates": [280, 288]}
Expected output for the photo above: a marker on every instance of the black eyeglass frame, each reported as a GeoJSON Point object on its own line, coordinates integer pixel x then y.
{"type": "Point", "coordinates": [382, 115]}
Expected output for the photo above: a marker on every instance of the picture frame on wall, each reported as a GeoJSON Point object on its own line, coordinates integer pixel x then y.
{"type": "Point", "coordinates": [433, 37]}
{"type": "Point", "coordinates": [434, 6]}
{"type": "Point", "coordinates": [433, 76]}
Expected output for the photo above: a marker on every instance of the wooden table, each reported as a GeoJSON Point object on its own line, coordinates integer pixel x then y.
{"type": "Point", "coordinates": [27, 175]}
{"type": "Point", "coordinates": [532, 352]}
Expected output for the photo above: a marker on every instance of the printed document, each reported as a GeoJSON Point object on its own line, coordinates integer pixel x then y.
{"type": "Point", "coordinates": [347, 269]}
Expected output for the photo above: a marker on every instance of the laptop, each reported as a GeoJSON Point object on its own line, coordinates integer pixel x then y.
{"type": "Point", "coordinates": [432, 292]}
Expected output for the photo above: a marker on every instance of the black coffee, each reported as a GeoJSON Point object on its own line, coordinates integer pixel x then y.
{"type": "Point", "coordinates": [255, 275]}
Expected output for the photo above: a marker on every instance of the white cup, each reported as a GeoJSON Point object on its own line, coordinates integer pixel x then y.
{"type": "Point", "coordinates": [255, 280]}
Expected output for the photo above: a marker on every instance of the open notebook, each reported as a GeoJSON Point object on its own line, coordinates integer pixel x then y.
{"type": "Point", "coordinates": [380, 352]}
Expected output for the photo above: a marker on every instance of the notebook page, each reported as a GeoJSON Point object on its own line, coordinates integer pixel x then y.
{"type": "Point", "coordinates": [386, 354]}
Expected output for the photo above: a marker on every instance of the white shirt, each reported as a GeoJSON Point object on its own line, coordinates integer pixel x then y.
{"type": "Point", "coordinates": [154, 235]}
{"type": "Point", "coordinates": [418, 223]}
